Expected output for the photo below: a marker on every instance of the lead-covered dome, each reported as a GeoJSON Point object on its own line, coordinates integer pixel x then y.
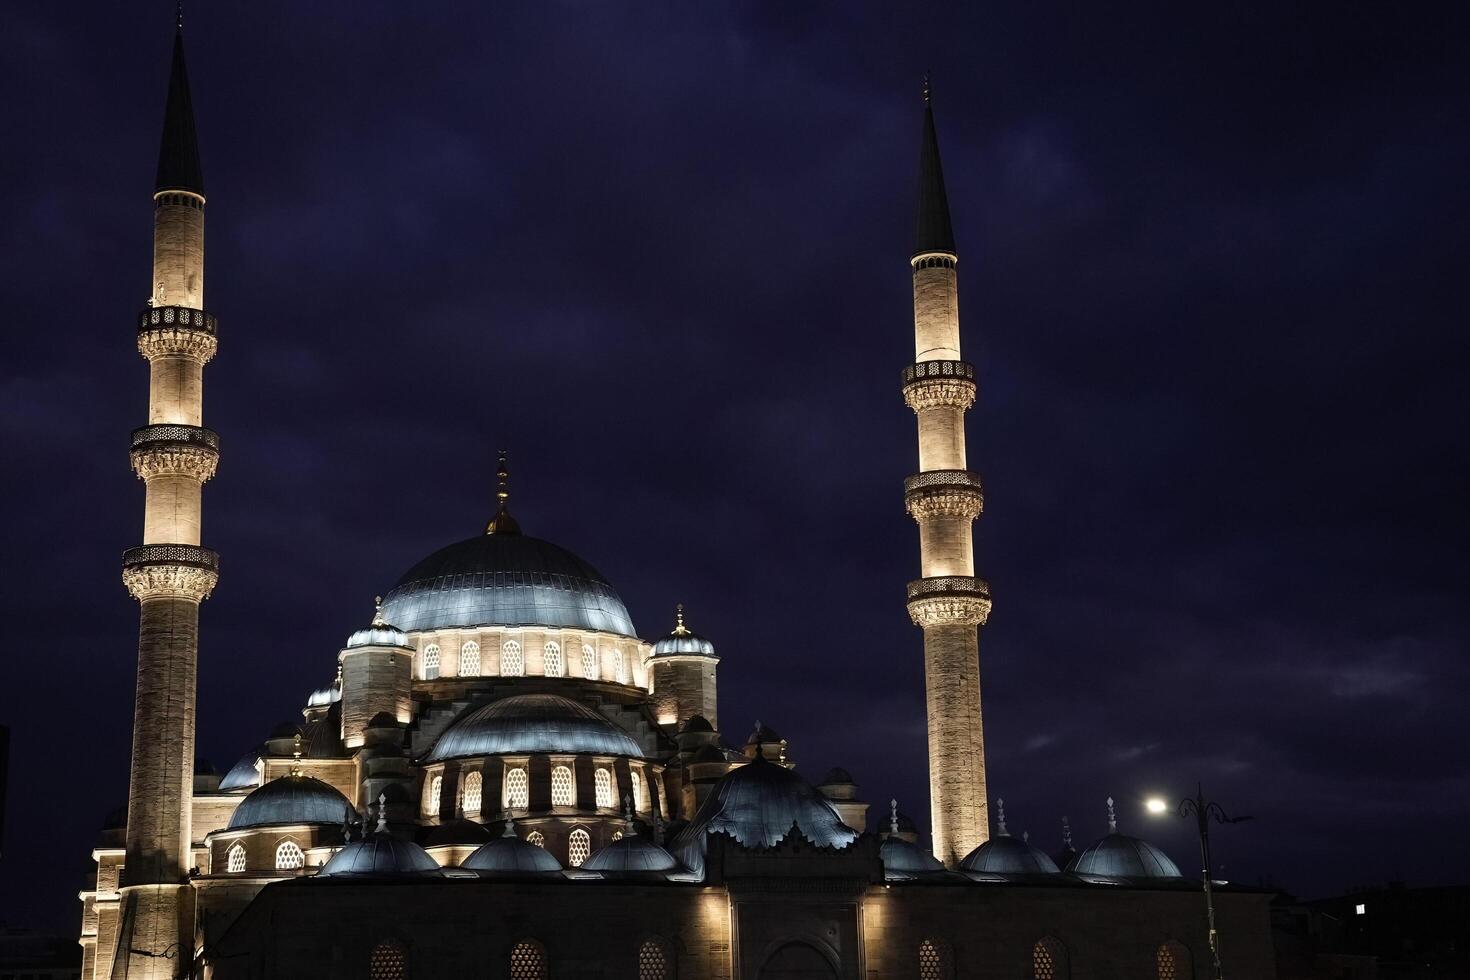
{"type": "Point", "coordinates": [505, 579]}
{"type": "Point", "coordinates": [528, 723]}
{"type": "Point", "coordinates": [632, 854]}
{"type": "Point", "coordinates": [292, 800]}
{"type": "Point", "coordinates": [1007, 855]}
{"type": "Point", "coordinates": [509, 854]}
{"type": "Point", "coordinates": [379, 854]}
{"type": "Point", "coordinates": [1120, 856]}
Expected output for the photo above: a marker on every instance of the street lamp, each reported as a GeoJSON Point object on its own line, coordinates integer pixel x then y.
{"type": "Point", "coordinates": [1202, 810]}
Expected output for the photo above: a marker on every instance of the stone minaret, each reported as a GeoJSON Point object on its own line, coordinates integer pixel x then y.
{"type": "Point", "coordinates": [944, 497]}
{"type": "Point", "coordinates": [170, 574]}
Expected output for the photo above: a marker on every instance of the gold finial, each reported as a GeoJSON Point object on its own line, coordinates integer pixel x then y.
{"type": "Point", "coordinates": [502, 522]}
{"type": "Point", "coordinates": [679, 629]}
{"type": "Point", "coordinates": [378, 619]}
{"type": "Point", "coordinates": [296, 755]}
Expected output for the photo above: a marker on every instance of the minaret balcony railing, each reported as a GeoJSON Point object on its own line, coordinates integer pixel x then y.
{"type": "Point", "coordinates": [188, 555]}
{"type": "Point", "coordinates": [949, 586]}
{"type": "Point", "coordinates": [180, 317]}
{"type": "Point", "coordinates": [926, 370]}
{"type": "Point", "coordinates": [949, 601]}
{"type": "Point", "coordinates": [942, 480]}
{"type": "Point", "coordinates": [175, 435]}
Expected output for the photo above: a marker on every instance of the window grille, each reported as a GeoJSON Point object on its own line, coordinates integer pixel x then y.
{"type": "Point", "coordinates": [389, 961]}
{"type": "Point", "coordinates": [235, 859]}
{"type": "Point", "coordinates": [602, 780]}
{"type": "Point", "coordinates": [579, 845]}
{"type": "Point", "coordinates": [433, 793]}
{"type": "Point", "coordinates": [1043, 964]}
{"type": "Point", "coordinates": [528, 962]}
{"type": "Point", "coordinates": [537, 838]}
{"type": "Point", "coordinates": [517, 789]}
{"type": "Point", "coordinates": [589, 663]}
{"type": "Point", "coordinates": [555, 666]}
{"type": "Point", "coordinates": [563, 788]}
{"type": "Point", "coordinates": [469, 659]}
{"type": "Point", "coordinates": [654, 961]}
{"type": "Point", "coordinates": [617, 835]}
{"type": "Point", "coordinates": [1173, 960]}
{"type": "Point", "coordinates": [934, 960]}
{"type": "Point", "coordinates": [431, 661]}
{"type": "Point", "coordinates": [473, 790]}
{"type": "Point", "coordinates": [289, 856]}
{"type": "Point", "coordinates": [620, 667]}
{"type": "Point", "coordinates": [637, 780]}
{"type": "Point", "coordinates": [512, 664]}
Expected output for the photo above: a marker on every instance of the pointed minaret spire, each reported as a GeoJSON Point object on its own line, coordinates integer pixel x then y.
{"type": "Point", "coordinates": [178, 155]}
{"type": "Point", "coordinates": [932, 229]}
{"type": "Point", "coordinates": [502, 522]}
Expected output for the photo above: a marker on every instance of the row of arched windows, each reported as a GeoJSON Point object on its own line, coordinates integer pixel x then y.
{"type": "Point", "coordinates": [1049, 961]}
{"type": "Point", "coordinates": [389, 961]}
{"type": "Point", "coordinates": [517, 793]}
{"type": "Point", "coordinates": [289, 857]}
{"type": "Point", "coordinates": [513, 661]}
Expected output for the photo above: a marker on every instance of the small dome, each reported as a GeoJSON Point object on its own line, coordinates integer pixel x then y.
{"type": "Point", "coordinates": [697, 723]}
{"type": "Point", "coordinates": [898, 855]}
{"type": "Point", "coordinates": [378, 633]}
{"type": "Point", "coordinates": [1007, 855]}
{"type": "Point", "coordinates": [243, 774]}
{"type": "Point", "coordinates": [757, 804]}
{"type": "Point", "coordinates": [379, 854]}
{"type": "Point", "coordinates": [505, 579]}
{"type": "Point", "coordinates": [508, 854]}
{"type": "Point", "coordinates": [631, 854]}
{"type": "Point", "coordinates": [461, 833]}
{"type": "Point", "coordinates": [1120, 856]}
{"type": "Point", "coordinates": [682, 641]}
{"type": "Point", "coordinates": [532, 723]}
{"type": "Point", "coordinates": [292, 800]}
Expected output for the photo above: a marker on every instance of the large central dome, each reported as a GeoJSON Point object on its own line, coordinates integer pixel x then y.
{"type": "Point", "coordinates": [505, 580]}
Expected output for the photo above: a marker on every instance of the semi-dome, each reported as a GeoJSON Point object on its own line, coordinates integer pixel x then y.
{"type": "Point", "coordinates": [1007, 855]}
{"type": "Point", "coordinates": [505, 579]}
{"type": "Point", "coordinates": [682, 640]}
{"type": "Point", "coordinates": [292, 800]}
{"type": "Point", "coordinates": [1120, 856]}
{"type": "Point", "coordinates": [532, 723]}
{"type": "Point", "coordinates": [631, 854]}
{"type": "Point", "coordinates": [508, 854]}
{"type": "Point", "coordinates": [379, 854]}
{"type": "Point", "coordinates": [757, 804]}
{"type": "Point", "coordinates": [902, 858]}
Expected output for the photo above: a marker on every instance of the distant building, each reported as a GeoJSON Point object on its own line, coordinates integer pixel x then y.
{"type": "Point", "coordinates": [1388, 933]}
{"type": "Point", "coordinates": [503, 779]}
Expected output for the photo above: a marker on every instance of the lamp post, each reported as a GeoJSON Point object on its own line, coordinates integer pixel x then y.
{"type": "Point", "coordinates": [1202, 810]}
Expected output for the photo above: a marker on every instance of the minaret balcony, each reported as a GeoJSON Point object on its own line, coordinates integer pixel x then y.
{"type": "Point", "coordinates": [177, 331]}
{"type": "Point", "coordinates": [949, 600]}
{"type": "Point", "coordinates": [929, 384]}
{"type": "Point", "coordinates": [944, 493]}
{"type": "Point", "coordinates": [175, 450]}
{"type": "Point", "coordinates": [170, 571]}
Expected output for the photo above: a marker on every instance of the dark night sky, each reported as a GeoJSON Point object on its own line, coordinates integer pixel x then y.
{"type": "Point", "coordinates": [1211, 271]}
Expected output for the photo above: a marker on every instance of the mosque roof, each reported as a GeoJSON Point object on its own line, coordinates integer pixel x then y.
{"type": "Point", "coordinates": [532, 723]}
{"type": "Point", "coordinates": [378, 854]}
{"type": "Point", "coordinates": [631, 854]}
{"type": "Point", "coordinates": [243, 774]}
{"type": "Point", "coordinates": [292, 800]}
{"type": "Point", "coordinates": [505, 579]}
{"type": "Point", "coordinates": [899, 856]}
{"type": "Point", "coordinates": [682, 640]}
{"type": "Point", "coordinates": [1120, 856]}
{"type": "Point", "coordinates": [1007, 855]}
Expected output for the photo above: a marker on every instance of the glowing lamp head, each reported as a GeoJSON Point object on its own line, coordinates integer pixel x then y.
{"type": "Point", "coordinates": [1155, 805]}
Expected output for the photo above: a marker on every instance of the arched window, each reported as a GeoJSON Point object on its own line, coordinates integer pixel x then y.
{"type": "Point", "coordinates": [473, 790]}
{"type": "Point", "coordinates": [589, 663]}
{"type": "Point", "coordinates": [654, 961]}
{"type": "Point", "coordinates": [620, 667]}
{"type": "Point", "coordinates": [469, 659]}
{"type": "Point", "coordinates": [235, 858]}
{"type": "Point", "coordinates": [617, 835]}
{"type": "Point", "coordinates": [935, 961]}
{"type": "Point", "coordinates": [1174, 961]}
{"type": "Point", "coordinates": [517, 789]}
{"type": "Point", "coordinates": [389, 961]}
{"type": "Point", "coordinates": [602, 781]}
{"type": "Point", "coordinates": [537, 838]}
{"type": "Point", "coordinates": [512, 664]}
{"type": "Point", "coordinates": [637, 779]}
{"type": "Point", "coordinates": [555, 666]}
{"type": "Point", "coordinates": [431, 661]}
{"type": "Point", "coordinates": [289, 856]}
{"type": "Point", "coordinates": [528, 961]}
{"type": "Point", "coordinates": [433, 793]}
{"type": "Point", "coordinates": [563, 788]}
{"type": "Point", "coordinates": [579, 845]}
{"type": "Point", "coordinates": [1049, 960]}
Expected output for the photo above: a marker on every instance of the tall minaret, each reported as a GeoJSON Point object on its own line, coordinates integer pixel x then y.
{"type": "Point", "coordinates": [944, 497]}
{"type": "Point", "coordinates": [170, 575]}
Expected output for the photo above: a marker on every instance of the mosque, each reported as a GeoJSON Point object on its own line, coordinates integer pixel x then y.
{"type": "Point", "coordinates": [501, 778]}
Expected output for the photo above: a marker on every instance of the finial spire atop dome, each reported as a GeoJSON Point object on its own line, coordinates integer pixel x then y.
{"type": "Point", "coordinates": [502, 522]}
{"type": "Point", "coordinates": [510, 825]}
{"type": "Point", "coordinates": [1000, 818]}
{"type": "Point", "coordinates": [378, 619]}
{"type": "Point", "coordinates": [679, 628]}
{"type": "Point", "coordinates": [932, 229]}
{"type": "Point", "coordinates": [382, 827]}
{"type": "Point", "coordinates": [296, 755]}
{"type": "Point", "coordinates": [1067, 833]}
{"type": "Point", "coordinates": [893, 815]}
{"type": "Point", "coordinates": [1112, 818]}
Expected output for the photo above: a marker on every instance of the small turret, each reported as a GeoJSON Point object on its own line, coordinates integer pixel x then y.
{"type": "Point", "coordinates": [684, 684]}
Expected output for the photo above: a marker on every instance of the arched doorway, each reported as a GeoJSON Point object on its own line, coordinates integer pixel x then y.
{"type": "Point", "coordinates": [797, 961]}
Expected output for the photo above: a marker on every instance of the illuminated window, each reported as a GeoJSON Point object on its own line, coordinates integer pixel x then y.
{"type": "Point", "coordinates": [1174, 962]}
{"type": "Point", "coordinates": [637, 779]}
{"type": "Point", "coordinates": [433, 793]}
{"type": "Point", "coordinates": [517, 789]}
{"type": "Point", "coordinates": [1360, 909]}
{"type": "Point", "coordinates": [469, 659]}
{"type": "Point", "coordinates": [389, 961]}
{"type": "Point", "coordinates": [620, 667]}
{"type": "Point", "coordinates": [289, 856]}
{"type": "Point", "coordinates": [235, 858]}
{"type": "Point", "coordinates": [617, 835]}
{"type": "Point", "coordinates": [512, 664]}
{"type": "Point", "coordinates": [555, 666]}
{"type": "Point", "coordinates": [473, 789]}
{"type": "Point", "coordinates": [528, 961]}
{"type": "Point", "coordinates": [602, 781]}
{"type": "Point", "coordinates": [431, 661]}
{"type": "Point", "coordinates": [579, 845]}
{"type": "Point", "coordinates": [1049, 960]}
{"type": "Point", "coordinates": [934, 960]}
{"type": "Point", "coordinates": [537, 838]}
{"type": "Point", "coordinates": [654, 961]}
{"type": "Point", "coordinates": [589, 663]}
{"type": "Point", "coordinates": [563, 788]}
